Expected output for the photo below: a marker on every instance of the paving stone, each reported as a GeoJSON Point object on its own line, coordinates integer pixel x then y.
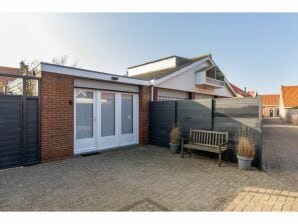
{"type": "Point", "coordinates": [280, 157]}
{"type": "Point", "coordinates": [143, 178]}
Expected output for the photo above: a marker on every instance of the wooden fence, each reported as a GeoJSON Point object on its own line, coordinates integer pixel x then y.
{"type": "Point", "coordinates": [224, 114]}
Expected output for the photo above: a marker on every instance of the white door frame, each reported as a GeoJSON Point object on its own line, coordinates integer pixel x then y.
{"type": "Point", "coordinates": [87, 144]}
{"type": "Point", "coordinates": [102, 143]}
{"type": "Point", "coordinates": [132, 138]}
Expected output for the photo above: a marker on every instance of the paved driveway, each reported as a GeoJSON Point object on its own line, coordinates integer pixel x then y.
{"type": "Point", "coordinates": [145, 178]}
{"type": "Point", "coordinates": [280, 151]}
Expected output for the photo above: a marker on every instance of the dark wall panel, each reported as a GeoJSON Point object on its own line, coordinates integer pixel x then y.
{"type": "Point", "coordinates": [10, 131]}
{"type": "Point", "coordinates": [31, 152]}
{"type": "Point", "coordinates": [231, 114]}
{"type": "Point", "coordinates": [161, 120]}
{"type": "Point", "coordinates": [195, 114]}
{"type": "Point", "coordinates": [19, 131]}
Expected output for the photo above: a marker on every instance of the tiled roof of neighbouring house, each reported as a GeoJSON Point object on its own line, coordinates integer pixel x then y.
{"type": "Point", "coordinates": [239, 91]}
{"type": "Point", "coordinates": [270, 100]}
{"type": "Point", "coordinates": [164, 72]}
{"type": "Point", "coordinates": [290, 96]}
{"type": "Point", "coordinates": [252, 93]}
{"type": "Point", "coordinates": [10, 70]}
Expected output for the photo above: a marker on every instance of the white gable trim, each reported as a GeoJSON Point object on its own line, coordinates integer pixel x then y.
{"type": "Point", "coordinates": [174, 74]}
{"type": "Point", "coordinates": [82, 73]}
{"type": "Point", "coordinates": [186, 68]}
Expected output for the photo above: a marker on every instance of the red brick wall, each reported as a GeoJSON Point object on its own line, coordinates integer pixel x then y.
{"type": "Point", "coordinates": [144, 114]}
{"type": "Point", "coordinates": [266, 111]}
{"type": "Point", "coordinates": [56, 116]}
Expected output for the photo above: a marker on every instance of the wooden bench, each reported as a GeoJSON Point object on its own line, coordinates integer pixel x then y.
{"type": "Point", "coordinates": [209, 141]}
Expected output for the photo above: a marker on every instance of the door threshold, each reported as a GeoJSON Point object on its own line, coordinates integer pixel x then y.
{"type": "Point", "coordinates": [90, 154]}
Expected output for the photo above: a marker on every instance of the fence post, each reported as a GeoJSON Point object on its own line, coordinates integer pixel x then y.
{"type": "Point", "coordinates": [176, 117]}
{"type": "Point", "coordinates": [212, 113]}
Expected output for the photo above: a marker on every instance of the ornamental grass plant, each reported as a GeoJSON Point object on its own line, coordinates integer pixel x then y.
{"type": "Point", "coordinates": [246, 143]}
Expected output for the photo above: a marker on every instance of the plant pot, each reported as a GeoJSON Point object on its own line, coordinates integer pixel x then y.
{"type": "Point", "coordinates": [174, 147]}
{"type": "Point", "coordinates": [244, 163]}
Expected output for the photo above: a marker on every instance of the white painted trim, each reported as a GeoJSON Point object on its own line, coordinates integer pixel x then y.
{"type": "Point", "coordinates": [226, 80]}
{"type": "Point", "coordinates": [186, 68]}
{"type": "Point", "coordinates": [108, 142]}
{"type": "Point", "coordinates": [82, 73]}
{"type": "Point", "coordinates": [174, 74]}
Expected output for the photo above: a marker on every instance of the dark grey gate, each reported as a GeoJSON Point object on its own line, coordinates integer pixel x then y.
{"type": "Point", "coordinates": [19, 121]}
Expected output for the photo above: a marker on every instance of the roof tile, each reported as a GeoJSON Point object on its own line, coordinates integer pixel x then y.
{"type": "Point", "coordinates": [290, 96]}
{"type": "Point", "coordinates": [270, 100]}
{"type": "Point", "coordinates": [10, 70]}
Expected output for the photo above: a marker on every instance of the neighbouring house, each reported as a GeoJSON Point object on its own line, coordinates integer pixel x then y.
{"type": "Point", "coordinates": [83, 111]}
{"type": "Point", "coordinates": [179, 78]}
{"type": "Point", "coordinates": [240, 92]}
{"type": "Point", "coordinates": [252, 93]}
{"type": "Point", "coordinates": [270, 103]}
{"type": "Point", "coordinates": [7, 83]}
{"type": "Point", "coordinates": [288, 103]}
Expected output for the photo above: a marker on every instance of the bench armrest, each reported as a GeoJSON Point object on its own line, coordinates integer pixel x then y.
{"type": "Point", "coordinates": [223, 144]}
{"type": "Point", "coordinates": [184, 140]}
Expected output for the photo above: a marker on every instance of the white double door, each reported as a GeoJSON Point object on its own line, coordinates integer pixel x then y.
{"type": "Point", "coordinates": [104, 119]}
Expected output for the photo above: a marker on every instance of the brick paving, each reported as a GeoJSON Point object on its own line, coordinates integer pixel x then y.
{"type": "Point", "coordinates": [280, 151]}
{"type": "Point", "coordinates": [143, 178]}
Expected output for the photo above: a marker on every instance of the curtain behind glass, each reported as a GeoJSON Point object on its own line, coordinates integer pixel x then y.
{"type": "Point", "coordinates": [107, 114]}
{"type": "Point", "coordinates": [84, 114]}
{"type": "Point", "coordinates": [127, 114]}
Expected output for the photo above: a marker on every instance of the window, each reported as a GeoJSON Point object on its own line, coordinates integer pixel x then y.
{"type": "Point", "coordinates": [107, 114]}
{"type": "Point", "coordinates": [127, 114]}
{"type": "Point", "coordinates": [84, 114]}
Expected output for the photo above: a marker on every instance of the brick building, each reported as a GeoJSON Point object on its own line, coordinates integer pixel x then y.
{"type": "Point", "coordinates": [84, 111]}
{"type": "Point", "coordinates": [270, 105]}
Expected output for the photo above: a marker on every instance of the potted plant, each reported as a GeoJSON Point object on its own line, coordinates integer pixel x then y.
{"type": "Point", "coordinates": [245, 148]}
{"type": "Point", "coordinates": [175, 138]}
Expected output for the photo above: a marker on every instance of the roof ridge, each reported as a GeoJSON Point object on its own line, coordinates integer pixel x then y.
{"type": "Point", "coordinates": [152, 61]}
{"type": "Point", "coordinates": [193, 59]}
{"type": "Point", "coordinates": [9, 67]}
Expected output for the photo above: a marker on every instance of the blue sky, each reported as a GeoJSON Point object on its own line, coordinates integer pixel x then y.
{"type": "Point", "coordinates": [257, 51]}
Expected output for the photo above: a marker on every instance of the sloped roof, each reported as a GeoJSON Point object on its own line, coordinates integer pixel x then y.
{"type": "Point", "coordinates": [239, 91]}
{"type": "Point", "coordinates": [252, 93]}
{"type": "Point", "coordinates": [270, 99]}
{"type": "Point", "coordinates": [10, 70]}
{"type": "Point", "coordinates": [290, 96]}
{"type": "Point", "coordinates": [164, 72]}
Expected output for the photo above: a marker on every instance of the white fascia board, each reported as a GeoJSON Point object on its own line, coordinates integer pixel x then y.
{"type": "Point", "coordinates": [226, 80]}
{"type": "Point", "coordinates": [82, 73]}
{"type": "Point", "coordinates": [230, 87]}
{"type": "Point", "coordinates": [172, 75]}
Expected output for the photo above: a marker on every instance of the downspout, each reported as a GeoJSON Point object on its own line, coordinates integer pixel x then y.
{"type": "Point", "coordinates": [152, 90]}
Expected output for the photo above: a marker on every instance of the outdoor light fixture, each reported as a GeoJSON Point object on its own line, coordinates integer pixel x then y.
{"type": "Point", "coordinates": [114, 78]}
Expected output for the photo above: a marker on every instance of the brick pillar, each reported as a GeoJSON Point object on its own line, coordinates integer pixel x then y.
{"type": "Point", "coordinates": [144, 100]}
{"type": "Point", "coordinates": [56, 116]}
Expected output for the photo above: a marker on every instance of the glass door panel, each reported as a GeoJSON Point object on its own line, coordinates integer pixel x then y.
{"type": "Point", "coordinates": [127, 114]}
{"type": "Point", "coordinates": [107, 114]}
{"type": "Point", "coordinates": [84, 120]}
{"type": "Point", "coordinates": [84, 115]}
